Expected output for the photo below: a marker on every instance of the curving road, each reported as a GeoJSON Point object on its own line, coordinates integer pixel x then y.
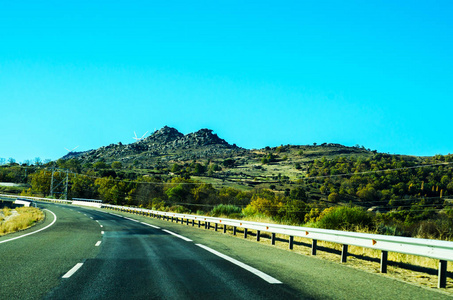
{"type": "Point", "coordinates": [92, 254]}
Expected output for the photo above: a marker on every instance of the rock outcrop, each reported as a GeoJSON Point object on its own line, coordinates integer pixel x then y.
{"type": "Point", "coordinates": [166, 143]}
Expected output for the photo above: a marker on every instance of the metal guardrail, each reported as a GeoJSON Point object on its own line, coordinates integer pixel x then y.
{"type": "Point", "coordinates": [36, 198]}
{"type": "Point", "coordinates": [87, 200]}
{"type": "Point", "coordinates": [441, 250]}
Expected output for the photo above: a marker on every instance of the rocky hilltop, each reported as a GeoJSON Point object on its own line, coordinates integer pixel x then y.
{"type": "Point", "coordinates": [164, 144]}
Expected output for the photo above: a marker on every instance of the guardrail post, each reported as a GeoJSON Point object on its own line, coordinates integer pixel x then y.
{"type": "Point", "coordinates": [234, 230]}
{"type": "Point", "coordinates": [187, 222]}
{"type": "Point", "coordinates": [216, 226]}
{"type": "Point", "coordinates": [291, 242]}
{"type": "Point", "coordinates": [207, 225]}
{"type": "Point", "coordinates": [245, 233]}
{"type": "Point", "coordinates": [442, 283]}
{"type": "Point", "coordinates": [224, 228]}
{"type": "Point", "coordinates": [314, 244]}
{"type": "Point", "coordinates": [384, 257]}
{"type": "Point", "coordinates": [273, 238]}
{"type": "Point", "coordinates": [344, 253]}
{"type": "Point", "coordinates": [258, 235]}
{"type": "Point", "coordinates": [199, 223]}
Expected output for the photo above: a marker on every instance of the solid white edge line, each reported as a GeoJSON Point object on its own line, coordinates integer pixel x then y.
{"type": "Point", "coordinates": [98, 243]}
{"type": "Point", "coordinates": [73, 270]}
{"type": "Point", "coordinates": [150, 225]}
{"type": "Point", "coordinates": [131, 219]}
{"type": "Point", "coordinates": [18, 237]}
{"type": "Point", "coordinates": [177, 235]}
{"type": "Point", "coordinates": [258, 273]}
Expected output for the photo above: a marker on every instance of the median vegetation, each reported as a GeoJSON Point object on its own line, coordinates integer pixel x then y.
{"type": "Point", "coordinates": [23, 218]}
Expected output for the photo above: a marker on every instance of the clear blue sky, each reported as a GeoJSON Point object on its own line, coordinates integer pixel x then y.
{"type": "Point", "coordinates": [259, 73]}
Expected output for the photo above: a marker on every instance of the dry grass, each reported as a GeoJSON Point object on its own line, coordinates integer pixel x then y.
{"type": "Point", "coordinates": [27, 217]}
{"type": "Point", "coordinates": [409, 268]}
{"type": "Point", "coordinates": [5, 212]}
{"type": "Point", "coordinates": [261, 219]}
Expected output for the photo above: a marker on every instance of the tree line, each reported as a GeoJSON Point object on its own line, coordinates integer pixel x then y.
{"type": "Point", "coordinates": [411, 199]}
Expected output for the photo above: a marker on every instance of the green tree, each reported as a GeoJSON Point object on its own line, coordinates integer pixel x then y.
{"type": "Point", "coordinates": [333, 197]}
{"type": "Point", "coordinates": [298, 193]}
{"type": "Point", "coordinates": [41, 181]}
{"type": "Point", "coordinates": [229, 163]}
{"type": "Point", "coordinates": [175, 168]}
{"type": "Point", "coordinates": [117, 165]}
{"type": "Point", "coordinates": [99, 165]}
{"type": "Point", "coordinates": [83, 187]}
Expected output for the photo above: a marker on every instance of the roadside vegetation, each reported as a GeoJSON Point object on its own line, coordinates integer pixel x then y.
{"type": "Point", "coordinates": [347, 188]}
{"type": "Point", "coordinates": [25, 217]}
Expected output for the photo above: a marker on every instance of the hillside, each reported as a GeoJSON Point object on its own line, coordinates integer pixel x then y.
{"type": "Point", "coordinates": [169, 152]}
{"type": "Point", "coordinates": [164, 145]}
{"type": "Point", "coordinates": [297, 184]}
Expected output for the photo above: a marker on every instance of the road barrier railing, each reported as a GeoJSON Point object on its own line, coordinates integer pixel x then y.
{"type": "Point", "coordinates": [36, 198]}
{"type": "Point", "coordinates": [436, 249]}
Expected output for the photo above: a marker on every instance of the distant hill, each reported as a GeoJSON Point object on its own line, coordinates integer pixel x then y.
{"type": "Point", "coordinates": [164, 145]}
{"type": "Point", "coordinates": [167, 147]}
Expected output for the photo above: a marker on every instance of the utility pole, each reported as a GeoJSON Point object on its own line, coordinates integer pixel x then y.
{"type": "Point", "coordinates": [66, 188]}
{"type": "Point", "coordinates": [51, 184]}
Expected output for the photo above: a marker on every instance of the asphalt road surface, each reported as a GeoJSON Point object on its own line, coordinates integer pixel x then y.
{"type": "Point", "coordinates": [81, 253]}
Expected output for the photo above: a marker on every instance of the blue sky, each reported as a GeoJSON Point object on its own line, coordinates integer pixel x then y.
{"type": "Point", "coordinates": [259, 73]}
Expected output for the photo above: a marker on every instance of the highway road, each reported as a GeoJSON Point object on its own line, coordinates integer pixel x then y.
{"type": "Point", "coordinates": [92, 254]}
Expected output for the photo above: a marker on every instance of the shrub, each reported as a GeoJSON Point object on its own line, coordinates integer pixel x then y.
{"type": "Point", "coordinates": [249, 211]}
{"type": "Point", "coordinates": [312, 216]}
{"type": "Point", "coordinates": [179, 209]}
{"type": "Point", "coordinates": [292, 211]}
{"type": "Point", "coordinates": [263, 206]}
{"type": "Point", "coordinates": [343, 218]}
{"type": "Point", "coordinates": [225, 210]}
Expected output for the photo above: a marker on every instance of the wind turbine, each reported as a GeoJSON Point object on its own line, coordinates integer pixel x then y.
{"type": "Point", "coordinates": [137, 138]}
{"type": "Point", "coordinates": [70, 151]}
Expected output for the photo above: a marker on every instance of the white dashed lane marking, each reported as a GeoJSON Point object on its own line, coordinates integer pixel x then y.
{"type": "Point", "coordinates": [73, 270]}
